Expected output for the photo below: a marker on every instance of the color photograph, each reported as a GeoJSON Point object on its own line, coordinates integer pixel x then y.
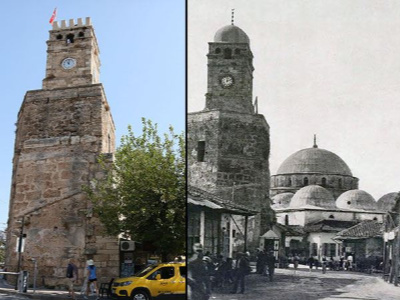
{"type": "Point", "coordinates": [93, 159]}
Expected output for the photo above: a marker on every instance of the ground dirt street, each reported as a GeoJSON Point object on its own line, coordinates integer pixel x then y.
{"type": "Point", "coordinates": [304, 285]}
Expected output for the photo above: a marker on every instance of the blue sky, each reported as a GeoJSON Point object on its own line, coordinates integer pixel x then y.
{"type": "Point", "coordinates": [142, 52]}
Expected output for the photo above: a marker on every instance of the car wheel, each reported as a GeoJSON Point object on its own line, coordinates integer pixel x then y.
{"type": "Point", "coordinates": [140, 295]}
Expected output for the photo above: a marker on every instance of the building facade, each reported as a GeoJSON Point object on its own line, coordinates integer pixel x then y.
{"type": "Point", "coordinates": [228, 141]}
{"type": "Point", "coordinates": [316, 193]}
{"type": "Point", "coordinates": [61, 131]}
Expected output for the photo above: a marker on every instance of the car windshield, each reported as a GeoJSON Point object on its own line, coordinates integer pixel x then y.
{"type": "Point", "coordinates": [145, 271]}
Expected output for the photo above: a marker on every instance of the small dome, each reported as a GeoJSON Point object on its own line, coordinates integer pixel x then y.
{"type": "Point", "coordinates": [356, 199]}
{"type": "Point", "coordinates": [313, 195]}
{"type": "Point", "coordinates": [387, 202]}
{"type": "Point", "coordinates": [282, 200]}
{"type": "Point", "coordinates": [314, 160]}
{"type": "Point", "coordinates": [231, 34]}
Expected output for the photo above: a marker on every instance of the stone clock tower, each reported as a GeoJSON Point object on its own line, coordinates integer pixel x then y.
{"type": "Point", "coordinates": [61, 130]}
{"type": "Point", "coordinates": [228, 141]}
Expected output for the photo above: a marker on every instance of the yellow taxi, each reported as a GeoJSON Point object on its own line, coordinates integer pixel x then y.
{"type": "Point", "coordinates": [158, 281]}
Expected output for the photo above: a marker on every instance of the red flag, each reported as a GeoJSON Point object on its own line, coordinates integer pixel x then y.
{"type": "Point", "coordinates": [53, 16]}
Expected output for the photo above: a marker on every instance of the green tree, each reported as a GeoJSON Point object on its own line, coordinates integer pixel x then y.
{"type": "Point", "coordinates": [143, 192]}
{"type": "Point", "coordinates": [2, 246]}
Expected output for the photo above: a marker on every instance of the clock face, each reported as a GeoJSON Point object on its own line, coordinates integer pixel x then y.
{"type": "Point", "coordinates": [227, 81]}
{"type": "Point", "coordinates": [68, 63]}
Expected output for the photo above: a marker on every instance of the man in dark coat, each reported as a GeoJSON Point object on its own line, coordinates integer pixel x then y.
{"type": "Point", "coordinates": [198, 279]}
{"type": "Point", "coordinates": [242, 269]}
{"type": "Point", "coordinates": [270, 262]}
{"type": "Point", "coordinates": [261, 256]}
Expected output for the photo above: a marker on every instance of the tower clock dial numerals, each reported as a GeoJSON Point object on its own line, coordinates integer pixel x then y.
{"type": "Point", "coordinates": [227, 81]}
{"type": "Point", "coordinates": [68, 63]}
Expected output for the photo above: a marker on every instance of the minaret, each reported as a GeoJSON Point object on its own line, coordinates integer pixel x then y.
{"type": "Point", "coordinates": [61, 131]}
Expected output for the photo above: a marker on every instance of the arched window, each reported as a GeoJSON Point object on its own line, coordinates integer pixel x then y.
{"type": "Point", "coordinates": [340, 183]}
{"type": "Point", "coordinates": [218, 50]}
{"type": "Point", "coordinates": [331, 217]}
{"type": "Point", "coordinates": [227, 53]}
{"type": "Point", "coordinates": [237, 51]}
{"type": "Point", "coordinates": [323, 181]}
{"type": "Point", "coordinates": [81, 34]}
{"type": "Point", "coordinates": [289, 182]}
{"type": "Point", "coordinates": [305, 181]}
{"type": "Point", "coordinates": [59, 37]}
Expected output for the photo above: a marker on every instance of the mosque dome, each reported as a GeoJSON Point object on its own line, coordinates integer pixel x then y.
{"type": "Point", "coordinates": [356, 199]}
{"type": "Point", "coordinates": [387, 202]}
{"type": "Point", "coordinates": [313, 195]}
{"type": "Point", "coordinates": [282, 200]}
{"type": "Point", "coordinates": [231, 34]}
{"type": "Point", "coordinates": [315, 161]}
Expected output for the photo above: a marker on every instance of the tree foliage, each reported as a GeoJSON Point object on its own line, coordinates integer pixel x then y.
{"type": "Point", "coordinates": [143, 193]}
{"type": "Point", "coordinates": [2, 246]}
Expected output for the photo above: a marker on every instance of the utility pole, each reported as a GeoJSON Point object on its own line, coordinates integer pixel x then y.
{"type": "Point", "coordinates": [21, 238]}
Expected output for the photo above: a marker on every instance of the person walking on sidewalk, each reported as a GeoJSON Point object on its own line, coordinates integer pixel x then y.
{"type": "Point", "coordinates": [72, 275]}
{"type": "Point", "coordinates": [92, 278]}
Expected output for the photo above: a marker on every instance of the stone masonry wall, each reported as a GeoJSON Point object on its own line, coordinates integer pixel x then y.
{"type": "Point", "coordinates": [60, 135]}
{"type": "Point", "coordinates": [235, 162]}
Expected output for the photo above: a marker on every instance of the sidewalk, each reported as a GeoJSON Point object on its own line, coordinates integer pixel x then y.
{"type": "Point", "coordinates": [41, 293]}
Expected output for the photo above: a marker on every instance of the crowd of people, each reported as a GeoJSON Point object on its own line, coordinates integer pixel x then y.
{"type": "Point", "coordinates": [207, 273]}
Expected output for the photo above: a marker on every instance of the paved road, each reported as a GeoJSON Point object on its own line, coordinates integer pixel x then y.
{"type": "Point", "coordinates": [304, 285]}
{"type": "Point", "coordinates": [12, 297]}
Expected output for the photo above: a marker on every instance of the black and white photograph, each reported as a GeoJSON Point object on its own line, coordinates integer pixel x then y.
{"type": "Point", "coordinates": [292, 149]}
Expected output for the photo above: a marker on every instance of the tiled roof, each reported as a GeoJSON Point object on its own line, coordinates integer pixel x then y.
{"type": "Point", "coordinates": [328, 226]}
{"type": "Point", "coordinates": [199, 197]}
{"type": "Point", "coordinates": [365, 229]}
{"type": "Point", "coordinates": [291, 230]}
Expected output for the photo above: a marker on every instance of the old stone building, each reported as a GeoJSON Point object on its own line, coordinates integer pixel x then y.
{"type": "Point", "coordinates": [316, 196]}
{"type": "Point", "coordinates": [61, 130]}
{"type": "Point", "coordinates": [313, 166]}
{"type": "Point", "coordinates": [228, 141]}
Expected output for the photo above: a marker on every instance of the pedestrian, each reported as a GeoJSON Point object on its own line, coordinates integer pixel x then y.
{"type": "Point", "coordinates": [331, 263]}
{"type": "Point", "coordinates": [296, 260]}
{"type": "Point", "coordinates": [242, 269]}
{"type": "Point", "coordinates": [210, 270]}
{"type": "Point", "coordinates": [342, 263]}
{"type": "Point", "coordinates": [310, 262]}
{"type": "Point", "coordinates": [72, 275]}
{"type": "Point", "coordinates": [350, 261]}
{"type": "Point", "coordinates": [260, 261]}
{"type": "Point", "coordinates": [270, 264]}
{"type": "Point", "coordinates": [92, 278]}
{"type": "Point", "coordinates": [316, 262]}
{"type": "Point", "coordinates": [198, 280]}
{"type": "Point", "coordinates": [324, 264]}
{"type": "Point", "coordinates": [228, 277]}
